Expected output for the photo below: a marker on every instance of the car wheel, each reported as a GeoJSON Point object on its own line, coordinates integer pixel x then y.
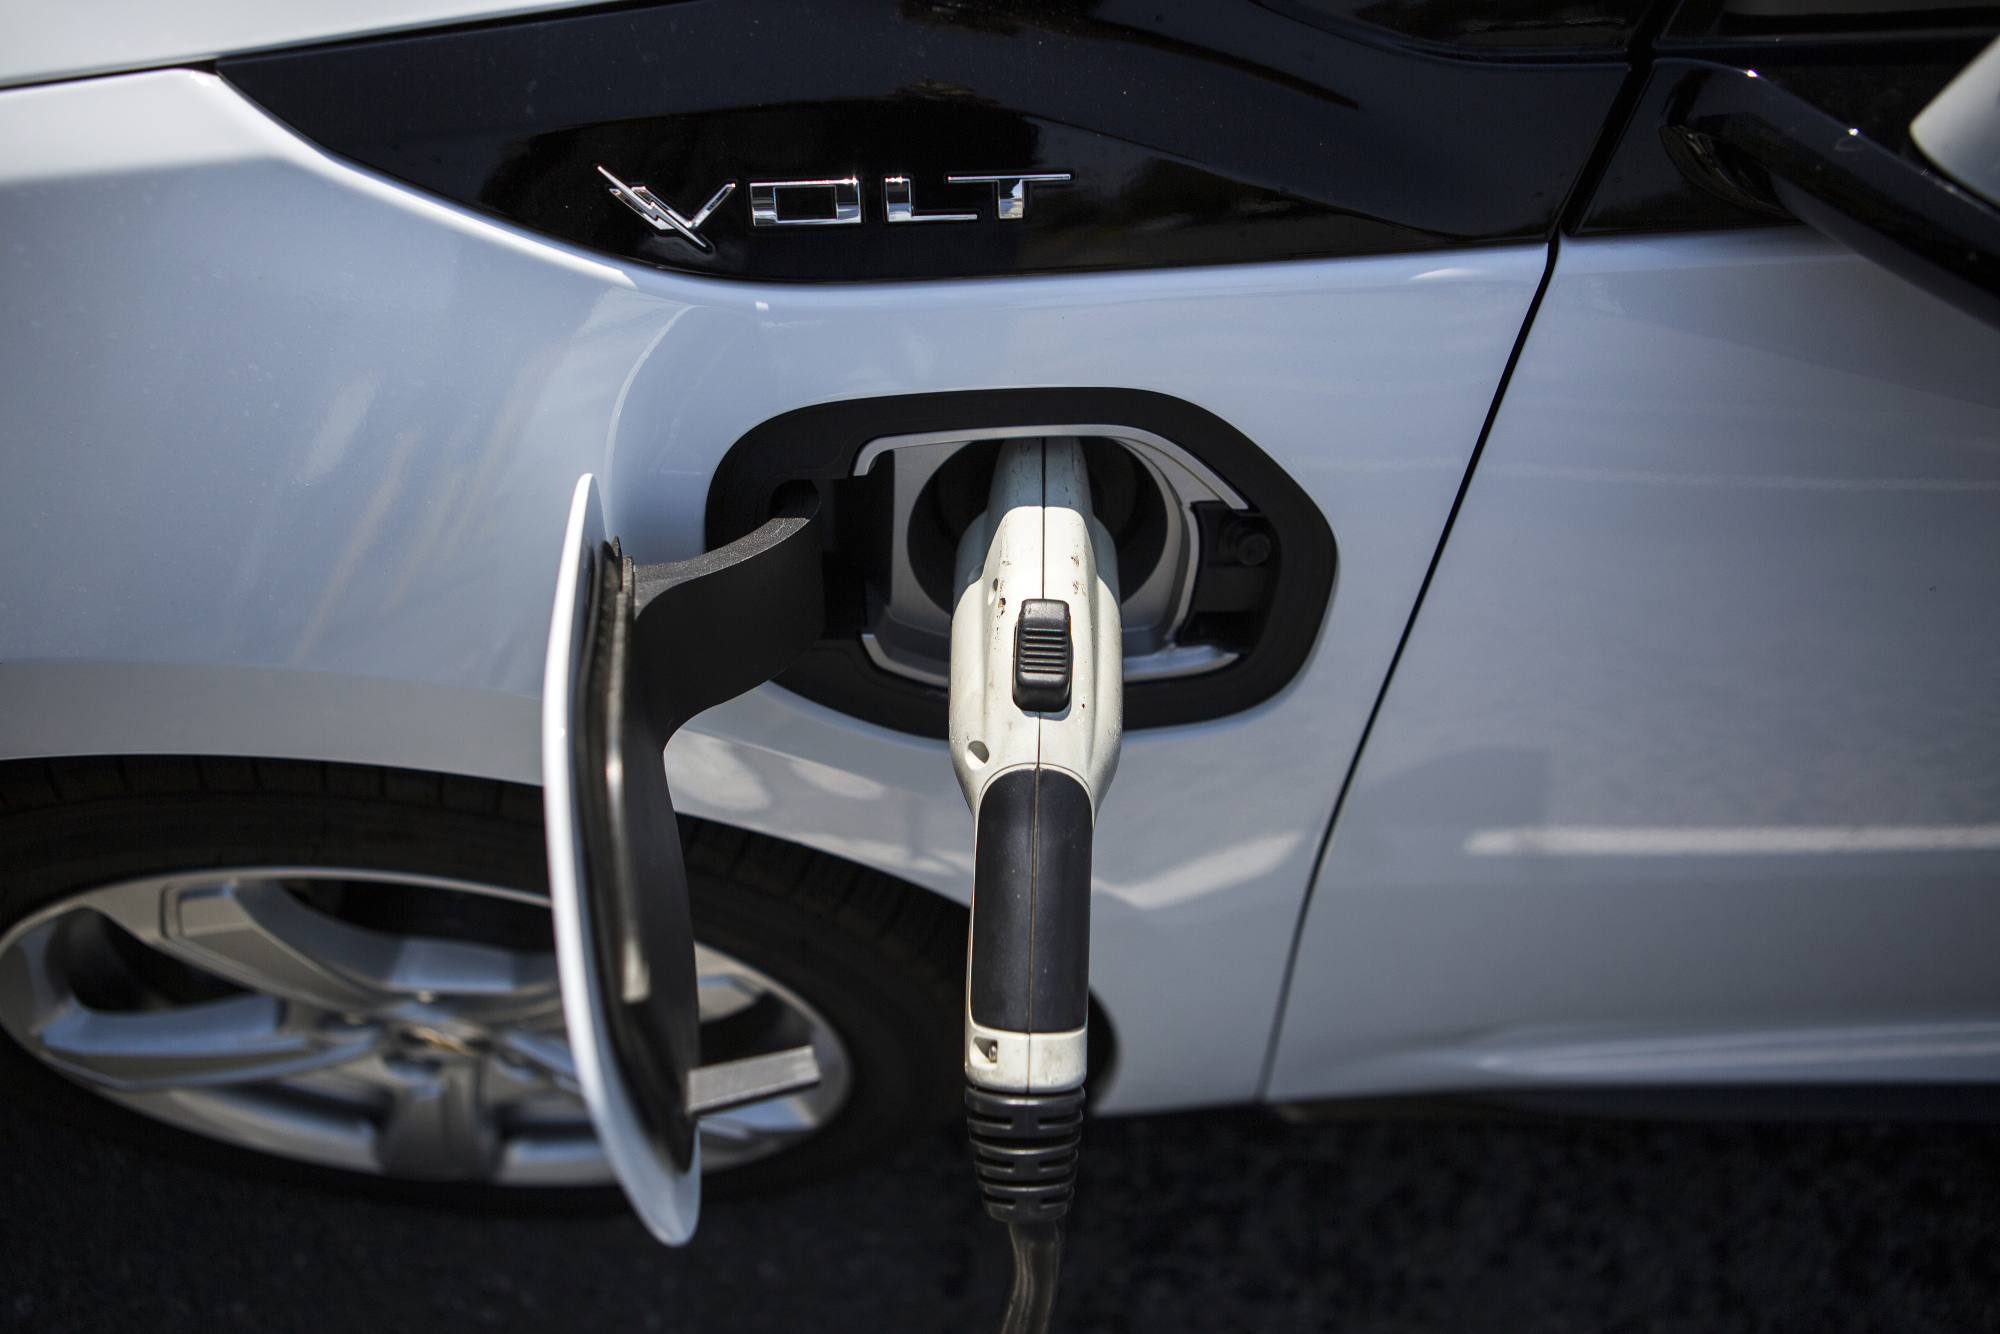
{"type": "Point", "coordinates": [345, 975]}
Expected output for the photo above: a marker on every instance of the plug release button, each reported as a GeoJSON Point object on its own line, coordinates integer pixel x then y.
{"type": "Point", "coordinates": [1042, 656]}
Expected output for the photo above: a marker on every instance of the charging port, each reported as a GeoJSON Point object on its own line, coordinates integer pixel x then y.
{"type": "Point", "coordinates": [1224, 564]}
{"type": "Point", "coordinates": [1146, 491]}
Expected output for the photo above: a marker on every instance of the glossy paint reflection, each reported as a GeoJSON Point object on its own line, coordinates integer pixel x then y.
{"type": "Point", "coordinates": [1191, 913]}
{"type": "Point", "coordinates": [1695, 732]}
{"type": "Point", "coordinates": [1194, 133]}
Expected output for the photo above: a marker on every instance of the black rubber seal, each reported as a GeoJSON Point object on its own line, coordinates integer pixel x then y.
{"type": "Point", "coordinates": [819, 444]}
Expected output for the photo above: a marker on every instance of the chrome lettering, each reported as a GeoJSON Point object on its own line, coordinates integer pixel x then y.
{"type": "Point", "coordinates": [846, 192]}
{"type": "Point", "coordinates": [897, 205]}
{"type": "Point", "coordinates": [1011, 192]}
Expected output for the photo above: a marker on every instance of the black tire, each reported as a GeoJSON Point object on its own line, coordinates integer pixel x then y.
{"type": "Point", "coordinates": [881, 959]}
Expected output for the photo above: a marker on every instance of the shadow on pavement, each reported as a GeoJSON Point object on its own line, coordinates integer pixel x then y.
{"type": "Point", "coordinates": [1213, 1222]}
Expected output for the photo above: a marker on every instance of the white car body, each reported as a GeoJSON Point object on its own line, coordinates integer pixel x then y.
{"type": "Point", "coordinates": [1685, 773]}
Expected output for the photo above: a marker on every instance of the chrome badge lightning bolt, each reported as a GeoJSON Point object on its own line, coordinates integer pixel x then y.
{"type": "Point", "coordinates": [648, 206]}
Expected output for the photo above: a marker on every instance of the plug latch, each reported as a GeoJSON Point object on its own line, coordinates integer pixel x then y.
{"type": "Point", "coordinates": [1042, 656]}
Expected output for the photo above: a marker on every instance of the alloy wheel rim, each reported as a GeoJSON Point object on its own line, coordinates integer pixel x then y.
{"type": "Point", "coordinates": [403, 1025]}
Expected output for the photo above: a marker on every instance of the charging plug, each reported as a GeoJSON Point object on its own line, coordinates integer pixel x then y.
{"type": "Point", "coordinates": [1036, 715]}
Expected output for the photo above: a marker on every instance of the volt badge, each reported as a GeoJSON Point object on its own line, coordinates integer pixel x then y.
{"type": "Point", "coordinates": [829, 202]}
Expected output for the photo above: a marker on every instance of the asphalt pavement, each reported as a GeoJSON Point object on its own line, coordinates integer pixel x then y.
{"type": "Point", "coordinates": [1212, 1222]}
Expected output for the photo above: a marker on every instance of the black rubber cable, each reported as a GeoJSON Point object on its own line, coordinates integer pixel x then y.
{"type": "Point", "coordinates": [1037, 1261]}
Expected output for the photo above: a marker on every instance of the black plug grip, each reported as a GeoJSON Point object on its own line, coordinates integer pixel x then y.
{"type": "Point", "coordinates": [1030, 965]}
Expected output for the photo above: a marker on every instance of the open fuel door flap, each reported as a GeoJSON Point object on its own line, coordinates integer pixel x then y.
{"type": "Point", "coordinates": [634, 652]}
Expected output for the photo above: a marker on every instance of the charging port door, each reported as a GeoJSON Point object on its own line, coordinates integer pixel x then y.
{"type": "Point", "coordinates": [634, 651]}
